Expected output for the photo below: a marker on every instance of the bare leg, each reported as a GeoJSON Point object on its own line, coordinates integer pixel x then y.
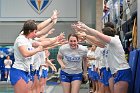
{"type": "Point", "coordinates": [97, 86]}
{"type": "Point", "coordinates": [107, 89]}
{"type": "Point", "coordinates": [111, 84]}
{"type": "Point", "coordinates": [121, 87]}
{"type": "Point", "coordinates": [75, 86]}
{"type": "Point", "coordinates": [6, 74]}
{"type": "Point", "coordinates": [42, 84]}
{"type": "Point", "coordinates": [21, 87]}
{"type": "Point", "coordinates": [93, 86]}
{"type": "Point", "coordinates": [66, 87]}
{"type": "Point", "coordinates": [101, 88]}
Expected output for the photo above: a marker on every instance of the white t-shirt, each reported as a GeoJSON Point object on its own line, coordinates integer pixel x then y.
{"type": "Point", "coordinates": [116, 56]}
{"type": "Point", "coordinates": [92, 55]}
{"type": "Point", "coordinates": [99, 57]}
{"type": "Point", "coordinates": [36, 61]}
{"type": "Point", "coordinates": [73, 58]}
{"type": "Point", "coordinates": [43, 60]}
{"type": "Point", "coordinates": [8, 63]}
{"type": "Point", "coordinates": [22, 63]}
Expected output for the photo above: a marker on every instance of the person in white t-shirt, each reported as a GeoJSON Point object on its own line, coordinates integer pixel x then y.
{"type": "Point", "coordinates": [115, 57]}
{"type": "Point", "coordinates": [7, 63]}
{"type": "Point", "coordinates": [70, 57]}
{"type": "Point", "coordinates": [24, 51]}
{"type": "Point", "coordinates": [92, 69]}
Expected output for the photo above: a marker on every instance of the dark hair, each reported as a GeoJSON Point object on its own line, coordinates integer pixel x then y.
{"type": "Point", "coordinates": [29, 26]}
{"type": "Point", "coordinates": [74, 35]}
{"type": "Point", "coordinates": [89, 45]}
{"type": "Point", "coordinates": [109, 31]}
{"type": "Point", "coordinates": [109, 24]}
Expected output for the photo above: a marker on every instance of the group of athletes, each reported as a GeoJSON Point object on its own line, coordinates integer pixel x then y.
{"type": "Point", "coordinates": [29, 71]}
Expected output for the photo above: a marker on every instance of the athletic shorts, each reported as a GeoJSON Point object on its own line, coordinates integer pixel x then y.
{"type": "Point", "coordinates": [65, 77]}
{"type": "Point", "coordinates": [44, 73]}
{"type": "Point", "coordinates": [105, 75]}
{"type": "Point", "coordinates": [95, 75]}
{"type": "Point", "coordinates": [33, 73]}
{"type": "Point", "coordinates": [7, 69]}
{"type": "Point", "coordinates": [123, 75]}
{"type": "Point", "coordinates": [89, 73]}
{"type": "Point", "coordinates": [16, 75]}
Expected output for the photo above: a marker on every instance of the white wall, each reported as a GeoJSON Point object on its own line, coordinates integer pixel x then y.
{"type": "Point", "coordinates": [10, 30]}
{"type": "Point", "coordinates": [25, 9]}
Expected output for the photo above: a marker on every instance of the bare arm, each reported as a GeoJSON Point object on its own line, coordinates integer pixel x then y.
{"type": "Point", "coordinates": [99, 35]}
{"type": "Point", "coordinates": [47, 22]}
{"type": "Point", "coordinates": [26, 53]}
{"type": "Point", "coordinates": [59, 59]}
{"type": "Point", "coordinates": [91, 39]}
{"type": "Point", "coordinates": [81, 27]}
{"type": "Point", "coordinates": [45, 29]}
{"type": "Point", "coordinates": [85, 68]}
{"type": "Point", "coordinates": [95, 41]}
{"type": "Point", "coordinates": [85, 64]}
{"type": "Point", "coordinates": [46, 35]}
{"type": "Point", "coordinates": [49, 62]}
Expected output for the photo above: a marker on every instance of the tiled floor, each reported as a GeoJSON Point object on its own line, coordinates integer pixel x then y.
{"type": "Point", "coordinates": [6, 87]}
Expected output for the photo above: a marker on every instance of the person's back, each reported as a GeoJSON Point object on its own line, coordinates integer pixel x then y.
{"type": "Point", "coordinates": [116, 54]}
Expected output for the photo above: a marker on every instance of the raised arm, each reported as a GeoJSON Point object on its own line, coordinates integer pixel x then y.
{"type": "Point", "coordinates": [91, 39]}
{"type": "Point", "coordinates": [48, 21]}
{"type": "Point", "coordinates": [81, 27]}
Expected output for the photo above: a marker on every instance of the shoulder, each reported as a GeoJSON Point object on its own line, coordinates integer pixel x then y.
{"type": "Point", "coordinates": [65, 46]}
{"type": "Point", "coordinates": [21, 38]}
{"type": "Point", "coordinates": [83, 47]}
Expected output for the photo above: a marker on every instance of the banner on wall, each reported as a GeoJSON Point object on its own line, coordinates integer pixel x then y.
{"type": "Point", "coordinates": [21, 10]}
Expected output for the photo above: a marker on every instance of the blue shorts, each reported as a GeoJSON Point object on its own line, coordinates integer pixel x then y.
{"type": "Point", "coordinates": [44, 73]}
{"type": "Point", "coordinates": [106, 75]}
{"type": "Point", "coordinates": [16, 75]}
{"type": "Point", "coordinates": [33, 73]}
{"type": "Point", "coordinates": [65, 77]}
{"type": "Point", "coordinates": [95, 75]}
{"type": "Point", "coordinates": [123, 75]}
{"type": "Point", "coordinates": [7, 69]}
{"type": "Point", "coordinates": [89, 73]}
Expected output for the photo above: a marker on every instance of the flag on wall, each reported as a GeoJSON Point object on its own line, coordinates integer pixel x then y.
{"type": "Point", "coordinates": [39, 5]}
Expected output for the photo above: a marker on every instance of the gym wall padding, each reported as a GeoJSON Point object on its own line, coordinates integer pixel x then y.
{"type": "Point", "coordinates": [137, 78]}
{"type": "Point", "coordinates": [133, 59]}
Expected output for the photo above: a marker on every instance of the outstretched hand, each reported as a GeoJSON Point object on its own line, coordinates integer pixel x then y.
{"type": "Point", "coordinates": [81, 36]}
{"type": "Point", "coordinates": [79, 27]}
{"type": "Point", "coordinates": [55, 16]}
{"type": "Point", "coordinates": [61, 36]}
{"type": "Point", "coordinates": [51, 31]}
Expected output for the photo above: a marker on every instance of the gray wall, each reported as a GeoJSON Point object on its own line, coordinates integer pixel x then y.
{"type": "Point", "coordinates": [10, 30]}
